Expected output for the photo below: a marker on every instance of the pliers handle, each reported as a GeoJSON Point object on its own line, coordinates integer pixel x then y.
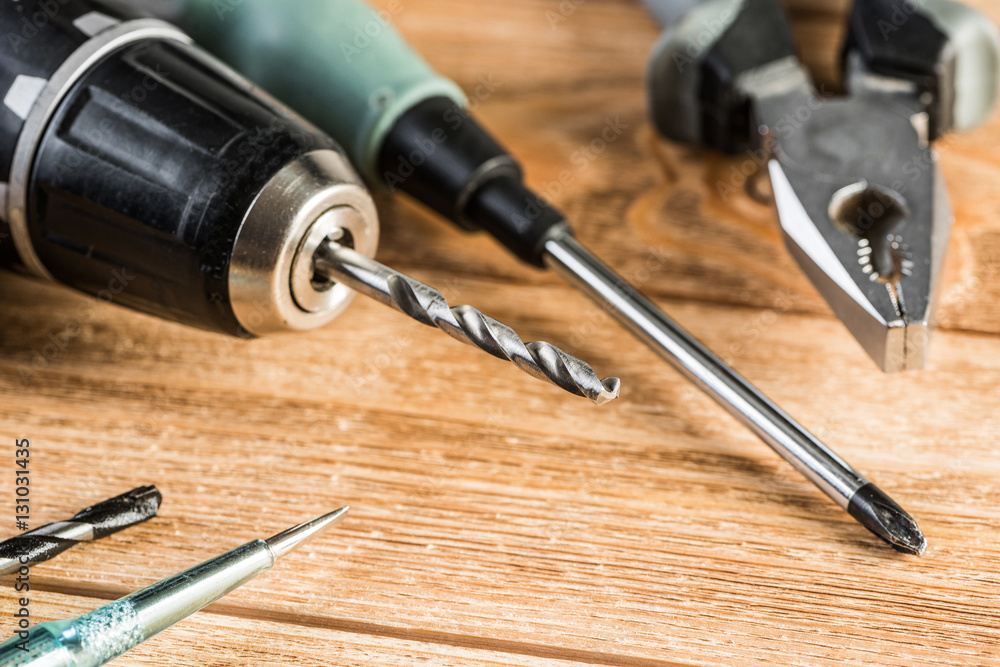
{"type": "Point", "coordinates": [698, 84]}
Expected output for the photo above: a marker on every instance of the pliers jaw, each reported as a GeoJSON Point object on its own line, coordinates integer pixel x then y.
{"type": "Point", "coordinates": [890, 316]}
{"type": "Point", "coordinates": [859, 194]}
{"type": "Point", "coordinates": [865, 212]}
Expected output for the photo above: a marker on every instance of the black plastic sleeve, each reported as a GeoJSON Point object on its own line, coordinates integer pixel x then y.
{"type": "Point", "coordinates": [439, 154]}
{"type": "Point", "coordinates": [759, 36]}
{"type": "Point", "coordinates": [897, 40]}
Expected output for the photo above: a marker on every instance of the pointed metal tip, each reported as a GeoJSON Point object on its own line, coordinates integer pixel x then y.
{"type": "Point", "coordinates": [880, 514]}
{"type": "Point", "coordinates": [611, 389]}
{"type": "Point", "coordinates": [285, 541]}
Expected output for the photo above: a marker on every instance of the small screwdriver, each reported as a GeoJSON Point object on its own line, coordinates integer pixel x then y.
{"type": "Point", "coordinates": [136, 167]}
{"type": "Point", "coordinates": [407, 127]}
{"type": "Point", "coordinates": [105, 633]}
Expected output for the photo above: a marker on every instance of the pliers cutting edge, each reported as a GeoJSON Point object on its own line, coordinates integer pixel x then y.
{"type": "Point", "coordinates": [861, 200]}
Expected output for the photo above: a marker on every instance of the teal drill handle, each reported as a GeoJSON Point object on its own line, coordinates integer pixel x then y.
{"type": "Point", "coordinates": [339, 63]}
{"type": "Point", "coordinates": [344, 67]}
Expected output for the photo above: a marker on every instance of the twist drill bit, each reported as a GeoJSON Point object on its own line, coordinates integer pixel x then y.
{"type": "Point", "coordinates": [428, 306]}
{"type": "Point", "coordinates": [105, 633]}
{"type": "Point", "coordinates": [92, 523]}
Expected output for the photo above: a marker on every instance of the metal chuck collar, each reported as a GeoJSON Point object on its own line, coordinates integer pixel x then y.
{"type": "Point", "coordinates": [272, 280]}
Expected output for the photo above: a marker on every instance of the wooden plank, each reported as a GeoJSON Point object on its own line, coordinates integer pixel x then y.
{"type": "Point", "coordinates": [215, 640]}
{"type": "Point", "coordinates": [496, 519]}
{"type": "Point", "coordinates": [555, 524]}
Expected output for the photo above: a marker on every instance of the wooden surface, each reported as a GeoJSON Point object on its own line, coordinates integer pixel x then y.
{"type": "Point", "coordinates": [497, 521]}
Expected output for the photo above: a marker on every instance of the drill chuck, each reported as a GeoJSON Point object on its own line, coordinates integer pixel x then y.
{"type": "Point", "coordinates": [138, 168]}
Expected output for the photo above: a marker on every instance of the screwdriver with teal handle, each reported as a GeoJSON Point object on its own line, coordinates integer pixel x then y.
{"type": "Point", "coordinates": [102, 635]}
{"type": "Point", "coordinates": [344, 67]}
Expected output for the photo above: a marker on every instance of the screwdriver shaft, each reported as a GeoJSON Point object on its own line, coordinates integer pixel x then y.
{"type": "Point", "coordinates": [819, 464]}
{"type": "Point", "coordinates": [464, 323]}
{"type": "Point", "coordinates": [668, 339]}
{"type": "Point", "coordinates": [104, 634]}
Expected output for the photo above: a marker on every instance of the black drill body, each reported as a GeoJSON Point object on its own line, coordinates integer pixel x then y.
{"type": "Point", "coordinates": [139, 180]}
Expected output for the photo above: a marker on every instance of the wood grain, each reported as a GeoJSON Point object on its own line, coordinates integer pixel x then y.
{"type": "Point", "coordinates": [495, 520]}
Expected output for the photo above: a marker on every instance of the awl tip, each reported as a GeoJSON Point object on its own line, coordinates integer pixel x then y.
{"type": "Point", "coordinates": [285, 541]}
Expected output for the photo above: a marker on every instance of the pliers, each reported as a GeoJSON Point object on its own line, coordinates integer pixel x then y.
{"type": "Point", "coordinates": [859, 194]}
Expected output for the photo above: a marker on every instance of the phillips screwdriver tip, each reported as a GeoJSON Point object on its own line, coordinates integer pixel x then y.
{"type": "Point", "coordinates": [880, 514]}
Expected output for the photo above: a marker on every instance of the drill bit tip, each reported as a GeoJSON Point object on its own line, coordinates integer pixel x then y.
{"type": "Point", "coordinates": [612, 390]}
{"type": "Point", "coordinates": [92, 523]}
{"type": "Point", "coordinates": [287, 540]}
{"type": "Point", "coordinates": [880, 514]}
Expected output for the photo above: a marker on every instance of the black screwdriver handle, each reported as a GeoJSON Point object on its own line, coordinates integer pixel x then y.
{"type": "Point", "coordinates": [695, 75]}
{"type": "Point", "coordinates": [949, 50]}
{"type": "Point", "coordinates": [438, 153]}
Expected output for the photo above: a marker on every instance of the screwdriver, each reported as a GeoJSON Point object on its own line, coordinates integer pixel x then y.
{"type": "Point", "coordinates": [137, 168]}
{"type": "Point", "coordinates": [105, 633]}
{"type": "Point", "coordinates": [345, 68]}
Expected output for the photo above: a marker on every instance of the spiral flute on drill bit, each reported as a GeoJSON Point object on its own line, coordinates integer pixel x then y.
{"type": "Point", "coordinates": [428, 306]}
{"type": "Point", "coordinates": [93, 523]}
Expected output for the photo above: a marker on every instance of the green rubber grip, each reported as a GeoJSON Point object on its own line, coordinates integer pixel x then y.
{"type": "Point", "coordinates": [339, 63]}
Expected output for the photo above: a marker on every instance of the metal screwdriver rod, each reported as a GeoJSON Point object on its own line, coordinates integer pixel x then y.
{"type": "Point", "coordinates": [464, 323]}
{"type": "Point", "coordinates": [105, 633]}
{"type": "Point", "coordinates": [847, 487]}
